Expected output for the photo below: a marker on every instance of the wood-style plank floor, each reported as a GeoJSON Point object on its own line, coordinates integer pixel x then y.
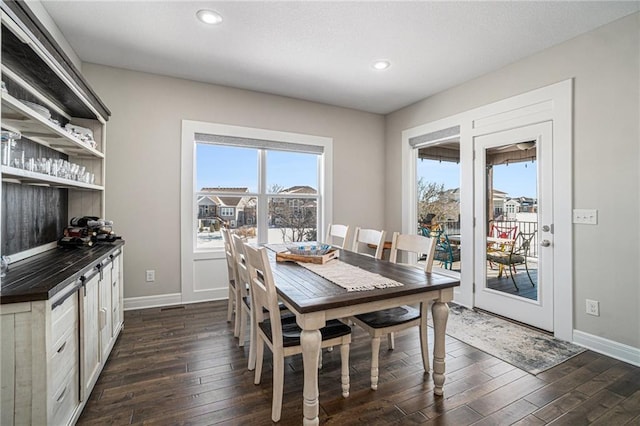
{"type": "Point", "coordinates": [182, 365]}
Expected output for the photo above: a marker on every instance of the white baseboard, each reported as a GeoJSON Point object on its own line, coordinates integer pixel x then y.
{"type": "Point", "coordinates": [143, 302]}
{"type": "Point", "coordinates": [607, 347]}
{"type": "Point", "coordinates": [152, 301]}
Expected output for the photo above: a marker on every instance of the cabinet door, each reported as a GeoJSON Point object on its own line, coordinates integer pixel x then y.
{"type": "Point", "coordinates": [90, 335]}
{"type": "Point", "coordinates": [105, 310]}
{"type": "Point", "coordinates": [116, 312]}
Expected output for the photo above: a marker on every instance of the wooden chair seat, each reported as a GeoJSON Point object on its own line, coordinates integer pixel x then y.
{"type": "Point", "coordinates": [291, 331]}
{"type": "Point", "coordinates": [390, 317]}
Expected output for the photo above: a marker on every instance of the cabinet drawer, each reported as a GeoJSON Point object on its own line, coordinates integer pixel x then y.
{"type": "Point", "coordinates": [64, 400]}
{"type": "Point", "coordinates": [64, 317]}
{"type": "Point", "coordinates": [63, 359]}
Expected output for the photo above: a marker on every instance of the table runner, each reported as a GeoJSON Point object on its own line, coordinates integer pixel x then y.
{"type": "Point", "coordinates": [345, 275]}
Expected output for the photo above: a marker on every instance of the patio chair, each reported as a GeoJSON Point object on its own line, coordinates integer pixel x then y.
{"type": "Point", "coordinates": [515, 254]}
{"type": "Point", "coordinates": [388, 321]}
{"type": "Point", "coordinates": [445, 252]}
{"type": "Point", "coordinates": [504, 232]}
{"type": "Point", "coordinates": [282, 334]}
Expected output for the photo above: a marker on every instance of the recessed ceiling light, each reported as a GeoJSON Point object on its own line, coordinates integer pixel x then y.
{"type": "Point", "coordinates": [209, 16]}
{"type": "Point", "coordinates": [381, 65]}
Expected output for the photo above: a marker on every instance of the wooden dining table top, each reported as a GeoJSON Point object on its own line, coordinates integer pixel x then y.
{"type": "Point", "coordinates": [308, 292]}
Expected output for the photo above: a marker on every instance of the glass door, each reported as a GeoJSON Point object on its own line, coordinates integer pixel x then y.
{"type": "Point", "coordinates": [514, 273]}
{"type": "Point", "coordinates": [438, 200]}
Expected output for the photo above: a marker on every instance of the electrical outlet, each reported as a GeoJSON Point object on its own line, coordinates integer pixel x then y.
{"type": "Point", "coordinates": [593, 307]}
{"type": "Point", "coordinates": [151, 275]}
{"type": "Point", "coordinates": [585, 216]}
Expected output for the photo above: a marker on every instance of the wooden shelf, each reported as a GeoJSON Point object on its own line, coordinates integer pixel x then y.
{"type": "Point", "coordinates": [18, 117]}
{"type": "Point", "coordinates": [11, 174]}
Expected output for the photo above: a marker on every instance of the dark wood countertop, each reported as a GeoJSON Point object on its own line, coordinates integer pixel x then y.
{"type": "Point", "coordinates": [44, 275]}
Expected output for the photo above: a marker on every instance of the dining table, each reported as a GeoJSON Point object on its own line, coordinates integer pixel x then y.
{"type": "Point", "coordinates": [314, 300]}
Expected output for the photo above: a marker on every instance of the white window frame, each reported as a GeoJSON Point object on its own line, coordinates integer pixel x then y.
{"type": "Point", "coordinates": [189, 190]}
{"type": "Point", "coordinates": [203, 270]}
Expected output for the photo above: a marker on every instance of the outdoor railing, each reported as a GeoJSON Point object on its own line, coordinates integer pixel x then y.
{"type": "Point", "coordinates": [453, 228]}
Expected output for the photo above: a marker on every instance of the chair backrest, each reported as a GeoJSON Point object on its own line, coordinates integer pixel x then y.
{"type": "Point", "coordinates": [503, 231]}
{"type": "Point", "coordinates": [366, 240]}
{"type": "Point", "coordinates": [263, 289]}
{"type": "Point", "coordinates": [411, 243]}
{"type": "Point", "coordinates": [230, 253]}
{"type": "Point", "coordinates": [522, 244]}
{"type": "Point", "coordinates": [338, 232]}
{"type": "Point", "coordinates": [241, 265]}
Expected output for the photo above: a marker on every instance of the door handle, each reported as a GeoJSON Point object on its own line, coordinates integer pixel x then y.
{"type": "Point", "coordinates": [545, 243]}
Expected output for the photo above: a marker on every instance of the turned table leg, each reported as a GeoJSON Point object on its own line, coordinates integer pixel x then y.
{"type": "Point", "coordinates": [440, 313]}
{"type": "Point", "coordinates": [310, 340]}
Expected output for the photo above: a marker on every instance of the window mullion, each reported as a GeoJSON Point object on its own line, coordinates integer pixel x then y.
{"type": "Point", "coordinates": [263, 209]}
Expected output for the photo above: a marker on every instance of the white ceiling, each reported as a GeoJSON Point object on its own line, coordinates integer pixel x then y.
{"type": "Point", "coordinates": [323, 51]}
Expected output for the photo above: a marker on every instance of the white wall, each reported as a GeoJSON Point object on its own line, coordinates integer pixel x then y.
{"type": "Point", "coordinates": [143, 159]}
{"type": "Point", "coordinates": [605, 65]}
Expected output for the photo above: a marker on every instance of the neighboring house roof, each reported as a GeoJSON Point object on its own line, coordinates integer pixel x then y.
{"type": "Point", "coordinates": [206, 201]}
{"type": "Point", "coordinates": [299, 189]}
{"type": "Point", "coordinates": [225, 201]}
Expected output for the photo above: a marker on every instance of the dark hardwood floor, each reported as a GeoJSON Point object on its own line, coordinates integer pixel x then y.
{"type": "Point", "coordinates": [182, 365]}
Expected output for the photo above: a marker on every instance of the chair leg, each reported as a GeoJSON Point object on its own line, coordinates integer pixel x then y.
{"type": "Point", "coordinates": [320, 359]}
{"type": "Point", "coordinates": [375, 353]}
{"type": "Point", "coordinates": [259, 356]}
{"type": "Point", "coordinates": [278, 385]}
{"type": "Point", "coordinates": [251, 365]}
{"type": "Point", "coordinates": [231, 303]}
{"type": "Point", "coordinates": [391, 341]}
{"type": "Point", "coordinates": [424, 337]}
{"type": "Point", "coordinates": [241, 317]}
{"type": "Point", "coordinates": [529, 275]}
{"type": "Point", "coordinates": [344, 358]}
{"type": "Point", "coordinates": [238, 308]}
{"type": "Point", "coordinates": [513, 279]}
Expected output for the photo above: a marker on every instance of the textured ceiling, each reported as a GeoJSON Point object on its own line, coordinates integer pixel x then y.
{"type": "Point", "coordinates": [323, 51]}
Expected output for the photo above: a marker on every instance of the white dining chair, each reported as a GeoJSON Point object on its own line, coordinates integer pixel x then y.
{"type": "Point", "coordinates": [388, 321]}
{"type": "Point", "coordinates": [367, 240]}
{"type": "Point", "coordinates": [338, 235]}
{"type": "Point", "coordinates": [233, 305]}
{"type": "Point", "coordinates": [282, 334]}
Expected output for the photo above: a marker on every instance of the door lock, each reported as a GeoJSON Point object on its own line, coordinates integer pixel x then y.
{"type": "Point", "coordinates": [545, 243]}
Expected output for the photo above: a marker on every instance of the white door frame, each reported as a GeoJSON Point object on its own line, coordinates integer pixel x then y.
{"type": "Point", "coordinates": [551, 103]}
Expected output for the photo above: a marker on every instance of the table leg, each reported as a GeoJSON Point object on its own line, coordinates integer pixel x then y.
{"type": "Point", "coordinates": [310, 341]}
{"type": "Point", "coordinates": [440, 313]}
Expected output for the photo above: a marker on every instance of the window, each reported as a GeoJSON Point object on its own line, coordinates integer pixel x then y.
{"type": "Point", "coordinates": [267, 191]}
{"type": "Point", "coordinates": [226, 211]}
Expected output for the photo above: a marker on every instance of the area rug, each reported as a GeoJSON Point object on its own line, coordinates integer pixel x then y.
{"type": "Point", "coordinates": [520, 346]}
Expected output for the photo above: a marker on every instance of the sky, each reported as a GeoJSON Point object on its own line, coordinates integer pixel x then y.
{"type": "Point", "coordinates": [238, 168]}
{"type": "Point", "coordinates": [516, 179]}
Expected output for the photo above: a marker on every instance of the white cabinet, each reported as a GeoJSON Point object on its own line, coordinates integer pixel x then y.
{"type": "Point", "coordinates": [63, 368]}
{"type": "Point", "coordinates": [53, 351]}
{"type": "Point", "coordinates": [90, 332]}
{"type": "Point", "coordinates": [40, 367]}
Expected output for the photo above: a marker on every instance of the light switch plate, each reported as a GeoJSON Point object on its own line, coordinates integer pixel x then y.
{"type": "Point", "coordinates": [585, 216]}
